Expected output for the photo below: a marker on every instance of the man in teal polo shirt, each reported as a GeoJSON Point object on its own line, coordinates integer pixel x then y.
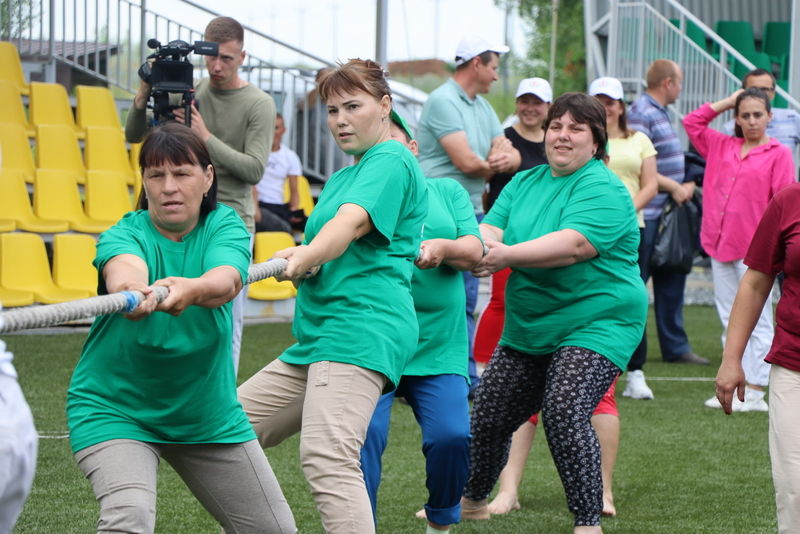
{"type": "Point", "coordinates": [460, 137]}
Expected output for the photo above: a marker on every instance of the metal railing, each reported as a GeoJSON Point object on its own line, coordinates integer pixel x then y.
{"type": "Point", "coordinates": [639, 34]}
{"type": "Point", "coordinates": [107, 40]}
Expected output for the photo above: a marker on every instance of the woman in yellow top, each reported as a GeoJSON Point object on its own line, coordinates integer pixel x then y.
{"type": "Point", "coordinates": [632, 157]}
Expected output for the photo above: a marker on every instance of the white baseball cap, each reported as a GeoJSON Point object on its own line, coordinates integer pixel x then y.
{"type": "Point", "coordinates": [472, 46]}
{"type": "Point", "coordinates": [536, 86]}
{"type": "Point", "coordinates": [608, 86]}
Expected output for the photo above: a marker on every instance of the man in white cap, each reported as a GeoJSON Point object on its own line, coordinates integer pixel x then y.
{"type": "Point", "coordinates": [461, 137]}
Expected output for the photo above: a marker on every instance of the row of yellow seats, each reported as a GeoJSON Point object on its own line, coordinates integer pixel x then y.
{"type": "Point", "coordinates": [57, 148]}
{"type": "Point", "coordinates": [57, 205]}
{"type": "Point", "coordinates": [49, 103]}
{"type": "Point", "coordinates": [26, 277]}
{"type": "Point", "coordinates": [25, 272]}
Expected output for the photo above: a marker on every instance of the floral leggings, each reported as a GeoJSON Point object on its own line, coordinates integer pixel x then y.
{"type": "Point", "coordinates": [566, 386]}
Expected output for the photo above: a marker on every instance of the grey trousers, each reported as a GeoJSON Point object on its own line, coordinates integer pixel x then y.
{"type": "Point", "coordinates": [234, 482]}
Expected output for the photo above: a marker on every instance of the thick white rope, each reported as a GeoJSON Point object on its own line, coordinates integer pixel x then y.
{"type": "Point", "coordinates": [124, 301]}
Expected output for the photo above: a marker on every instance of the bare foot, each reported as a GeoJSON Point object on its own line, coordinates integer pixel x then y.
{"type": "Point", "coordinates": [609, 510]}
{"type": "Point", "coordinates": [478, 510]}
{"type": "Point", "coordinates": [421, 514]}
{"type": "Point", "coordinates": [503, 503]}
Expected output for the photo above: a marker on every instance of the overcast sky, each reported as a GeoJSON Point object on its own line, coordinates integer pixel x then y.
{"type": "Point", "coordinates": [341, 29]}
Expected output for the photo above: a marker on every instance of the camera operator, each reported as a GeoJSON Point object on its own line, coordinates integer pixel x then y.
{"type": "Point", "coordinates": [237, 122]}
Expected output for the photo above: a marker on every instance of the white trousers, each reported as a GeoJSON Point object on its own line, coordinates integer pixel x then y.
{"type": "Point", "coordinates": [784, 445]}
{"type": "Point", "coordinates": [727, 276]}
{"type": "Point", "coordinates": [18, 447]}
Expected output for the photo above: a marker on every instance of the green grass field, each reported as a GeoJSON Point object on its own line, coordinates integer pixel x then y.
{"type": "Point", "coordinates": [682, 468]}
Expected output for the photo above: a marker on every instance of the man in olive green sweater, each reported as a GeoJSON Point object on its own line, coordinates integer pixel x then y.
{"type": "Point", "coordinates": [237, 123]}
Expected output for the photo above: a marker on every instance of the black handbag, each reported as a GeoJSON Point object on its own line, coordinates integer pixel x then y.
{"type": "Point", "coordinates": [678, 237]}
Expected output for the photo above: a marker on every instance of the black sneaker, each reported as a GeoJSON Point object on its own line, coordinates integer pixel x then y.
{"type": "Point", "coordinates": [690, 357]}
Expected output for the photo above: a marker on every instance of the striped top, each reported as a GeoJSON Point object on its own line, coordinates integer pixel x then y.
{"type": "Point", "coordinates": [652, 119]}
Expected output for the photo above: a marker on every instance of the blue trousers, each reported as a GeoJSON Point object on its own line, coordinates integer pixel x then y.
{"type": "Point", "coordinates": [440, 406]}
{"type": "Point", "coordinates": [668, 287]}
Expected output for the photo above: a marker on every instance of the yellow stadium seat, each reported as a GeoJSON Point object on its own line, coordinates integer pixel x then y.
{"type": "Point", "coordinates": [10, 298]}
{"type": "Point", "coordinates": [24, 267]}
{"type": "Point", "coordinates": [266, 244]}
{"type": "Point", "coordinates": [304, 191]}
{"type": "Point", "coordinates": [72, 262]}
{"type": "Point", "coordinates": [11, 67]}
{"type": "Point", "coordinates": [13, 110]}
{"type": "Point", "coordinates": [135, 150]}
{"type": "Point", "coordinates": [107, 197]}
{"type": "Point", "coordinates": [7, 225]}
{"type": "Point", "coordinates": [15, 204]}
{"type": "Point", "coordinates": [56, 196]}
{"type": "Point", "coordinates": [96, 107]}
{"type": "Point", "coordinates": [105, 151]}
{"type": "Point", "coordinates": [17, 155]}
{"type": "Point", "coordinates": [57, 148]}
{"type": "Point", "coordinates": [49, 104]}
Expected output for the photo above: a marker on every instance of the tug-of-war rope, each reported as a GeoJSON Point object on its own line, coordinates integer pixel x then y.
{"type": "Point", "coordinates": [124, 301]}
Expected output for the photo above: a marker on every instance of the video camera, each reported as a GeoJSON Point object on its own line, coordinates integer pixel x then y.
{"type": "Point", "coordinates": [170, 72]}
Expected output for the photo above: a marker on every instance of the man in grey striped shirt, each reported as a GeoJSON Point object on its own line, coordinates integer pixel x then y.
{"type": "Point", "coordinates": [785, 123]}
{"type": "Point", "coordinates": [649, 115]}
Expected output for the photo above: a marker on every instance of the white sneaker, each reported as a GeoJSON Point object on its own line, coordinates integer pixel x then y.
{"type": "Point", "coordinates": [713, 402]}
{"type": "Point", "coordinates": [637, 387]}
{"type": "Point", "coordinates": [752, 403]}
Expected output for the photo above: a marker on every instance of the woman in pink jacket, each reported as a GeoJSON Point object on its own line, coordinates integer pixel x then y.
{"type": "Point", "coordinates": [742, 175]}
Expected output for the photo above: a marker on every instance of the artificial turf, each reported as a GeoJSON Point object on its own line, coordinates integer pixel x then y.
{"type": "Point", "coordinates": [682, 468]}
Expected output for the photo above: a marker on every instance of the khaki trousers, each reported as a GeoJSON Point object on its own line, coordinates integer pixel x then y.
{"type": "Point", "coordinates": [331, 404]}
{"type": "Point", "coordinates": [784, 445]}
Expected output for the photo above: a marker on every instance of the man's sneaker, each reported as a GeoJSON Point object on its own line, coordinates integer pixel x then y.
{"type": "Point", "coordinates": [637, 387]}
{"type": "Point", "coordinates": [690, 357]}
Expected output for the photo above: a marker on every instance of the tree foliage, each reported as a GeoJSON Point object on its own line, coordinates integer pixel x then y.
{"type": "Point", "coordinates": [570, 52]}
{"type": "Point", "coordinates": [15, 18]}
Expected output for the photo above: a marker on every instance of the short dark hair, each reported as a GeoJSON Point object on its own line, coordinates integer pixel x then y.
{"type": "Point", "coordinates": [224, 29]}
{"type": "Point", "coordinates": [584, 109]}
{"type": "Point", "coordinates": [485, 58]}
{"type": "Point", "coordinates": [752, 92]}
{"type": "Point", "coordinates": [355, 75]}
{"type": "Point", "coordinates": [758, 72]}
{"type": "Point", "coordinates": [177, 144]}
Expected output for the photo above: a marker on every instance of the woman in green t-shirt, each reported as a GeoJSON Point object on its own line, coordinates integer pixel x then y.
{"type": "Point", "coordinates": [158, 382]}
{"type": "Point", "coordinates": [575, 308]}
{"type": "Point", "coordinates": [354, 321]}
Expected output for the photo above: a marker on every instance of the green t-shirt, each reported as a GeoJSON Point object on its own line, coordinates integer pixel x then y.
{"type": "Point", "coordinates": [163, 379]}
{"type": "Point", "coordinates": [242, 123]}
{"type": "Point", "coordinates": [599, 304]}
{"type": "Point", "coordinates": [438, 293]}
{"type": "Point", "coordinates": [449, 109]}
{"type": "Point", "coordinates": [358, 308]}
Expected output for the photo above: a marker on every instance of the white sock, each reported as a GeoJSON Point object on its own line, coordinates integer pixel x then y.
{"type": "Point", "coordinates": [755, 394]}
{"type": "Point", "coordinates": [431, 530]}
